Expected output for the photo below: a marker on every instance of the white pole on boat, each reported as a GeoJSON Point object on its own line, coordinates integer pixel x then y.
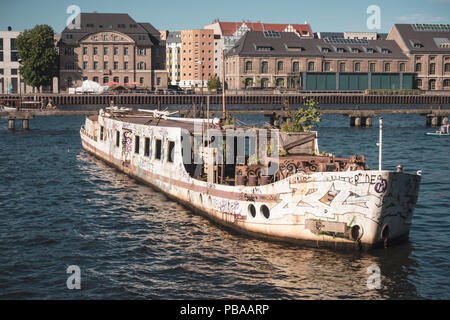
{"type": "Point", "coordinates": [380, 146]}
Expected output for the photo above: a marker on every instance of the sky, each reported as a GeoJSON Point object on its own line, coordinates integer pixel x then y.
{"type": "Point", "coordinates": [323, 15]}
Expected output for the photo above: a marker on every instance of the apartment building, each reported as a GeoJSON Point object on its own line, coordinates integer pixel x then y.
{"type": "Point", "coordinates": [173, 56]}
{"type": "Point", "coordinates": [197, 57]}
{"type": "Point", "coordinates": [428, 49]}
{"type": "Point", "coordinates": [111, 47]}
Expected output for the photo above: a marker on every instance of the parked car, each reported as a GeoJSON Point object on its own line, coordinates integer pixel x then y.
{"type": "Point", "coordinates": [189, 91]}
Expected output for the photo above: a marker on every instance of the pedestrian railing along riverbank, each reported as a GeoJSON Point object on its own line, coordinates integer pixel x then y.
{"type": "Point", "coordinates": [273, 99]}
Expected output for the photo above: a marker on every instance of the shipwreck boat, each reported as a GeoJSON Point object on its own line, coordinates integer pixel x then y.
{"type": "Point", "coordinates": [300, 196]}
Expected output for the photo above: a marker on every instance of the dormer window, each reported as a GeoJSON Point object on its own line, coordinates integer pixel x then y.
{"type": "Point", "coordinates": [264, 48]}
{"type": "Point", "coordinates": [355, 50]}
{"type": "Point", "coordinates": [370, 50]}
{"type": "Point", "coordinates": [340, 50]}
{"type": "Point", "coordinates": [325, 50]}
{"type": "Point", "coordinates": [418, 45]}
{"type": "Point", "coordinates": [385, 51]}
{"type": "Point", "coordinates": [295, 49]}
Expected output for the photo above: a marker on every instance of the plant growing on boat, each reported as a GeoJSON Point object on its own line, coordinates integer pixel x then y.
{"type": "Point", "coordinates": [305, 119]}
{"type": "Point", "coordinates": [229, 120]}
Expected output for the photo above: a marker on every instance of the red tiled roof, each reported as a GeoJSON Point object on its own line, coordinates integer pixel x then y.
{"type": "Point", "coordinates": [229, 28]}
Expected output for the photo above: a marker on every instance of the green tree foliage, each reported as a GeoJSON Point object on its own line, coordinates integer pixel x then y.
{"type": "Point", "coordinates": [36, 48]}
{"type": "Point", "coordinates": [305, 119]}
{"type": "Point", "coordinates": [214, 83]}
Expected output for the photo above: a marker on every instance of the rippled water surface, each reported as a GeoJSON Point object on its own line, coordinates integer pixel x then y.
{"type": "Point", "coordinates": [60, 206]}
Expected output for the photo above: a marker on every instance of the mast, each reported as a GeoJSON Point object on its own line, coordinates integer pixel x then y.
{"type": "Point", "coordinates": [380, 146]}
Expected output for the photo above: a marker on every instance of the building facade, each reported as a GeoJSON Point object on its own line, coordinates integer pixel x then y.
{"type": "Point", "coordinates": [112, 48]}
{"type": "Point", "coordinates": [428, 49]}
{"type": "Point", "coordinates": [283, 60]}
{"type": "Point", "coordinates": [197, 57]}
{"type": "Point", "coordinates": [10, 81]}
{"type": "Point", "coordinates": [173, 56]}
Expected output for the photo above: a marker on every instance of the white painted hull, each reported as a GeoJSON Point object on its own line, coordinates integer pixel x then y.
{"type": "Point", "coordinates": [370, 200]}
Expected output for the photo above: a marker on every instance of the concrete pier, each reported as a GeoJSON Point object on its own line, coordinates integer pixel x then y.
{"type": "Point", "coordinates": [25, 124]}
{"type": "Point", "coordinates": [11, 124]}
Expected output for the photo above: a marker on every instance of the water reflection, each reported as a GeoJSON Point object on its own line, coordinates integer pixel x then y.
{"type": "Point", "coordinates": [178, 254]}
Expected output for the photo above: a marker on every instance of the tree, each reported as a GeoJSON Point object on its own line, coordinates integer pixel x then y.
{"type": "Point", "coordinates": [305, 119]}
{"type": "Point", "coordinates": [39, 56]}
{"type": "Point", "coordinates": [214, 83]}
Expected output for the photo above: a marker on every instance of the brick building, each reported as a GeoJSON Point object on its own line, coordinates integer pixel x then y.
{"type": "Point", "coordinates": [428, 49]}
{"type": "Point", "coordinates": [282, 59]}
{"type": "Point", "coordinates": [112, 47]}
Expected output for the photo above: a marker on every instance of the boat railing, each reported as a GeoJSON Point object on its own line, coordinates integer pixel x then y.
{"type": "Point", "coordinates": [87, 134]}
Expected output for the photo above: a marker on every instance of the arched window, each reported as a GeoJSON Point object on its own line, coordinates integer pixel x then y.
{"type": "Point", "coordinates": [432, 68]}
{"type": "Point", "coordinates": [280, 65]}
{"type": "Point", "coordinates": [264, 67]}
{"type": "Point", "coordinates": [342, 67]}
{"type": "Point", "coordinates": [280, 82]}
{"type": "Point", "coordinates": [125, 80]}
{"type": "Point", "coordinates": [418, 83]}
{"type": "Point", "coordinates": [95, 79]}
{"type": "Point", "coordinates": [432, 84]}
{"type": "Point", "coordinates": [418, 67]}
{"type": "Point", "coordinates": [116, 79]}
{"type": "Point", "coordinates": [447, 67]}
{"type": "Point", "coordinates": [295, 66]}
{"type": "Point", "coordinates": [311, 66]}
{"type": "Point", "coordinates": [248, 66]}
{"type": "Point", "coordinates": [264, 83]}
{"type": "Point", "coordinates": [248, 82]}
{"type": "Point", "coordinates": [357, 66]}
{"type": "Point", "coordinates": [105, 80]}
{"type": "Point", "coordinates": [387, 67]}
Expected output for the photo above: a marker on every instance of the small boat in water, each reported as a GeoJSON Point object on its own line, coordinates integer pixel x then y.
{"type": "Point", "coordinates": [235, 176]}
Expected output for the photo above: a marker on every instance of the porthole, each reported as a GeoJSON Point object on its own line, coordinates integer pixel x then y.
{"type": "Point", "coordinates": [265, 211]}
{"type": "Point", "coordinates": [252, 210]}
{"type": "Point", "coordinates": [356, 232]}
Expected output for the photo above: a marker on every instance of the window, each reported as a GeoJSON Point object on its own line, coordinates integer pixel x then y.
{"type": "Point", "coordinates": [141, 65]}
{"type": "Point", "coordinates": [117, 139]}
{"type": "Point", "coordinates": [141, 52]}
{"type": "Point", "coordinates": [105, 65]}
{"type": "Point", "coordinates": [95, 65]}
{"type": "Point", "coordinates": [147, 147]}
{"type": "Point", "coordinates": [372, 67]}
{"type": "Point", "coordinates": [125, 51]}
{"type": "Point", "coordinates": [95, 50]}
{"type": "Point", "coordinates": [141, 81]}
{"type": "Point", "coordinates": [14, 56]}
{"type": "Point", "coordinates": [105, 80]}
{"type": "Point", "coordinates": [157, 52]}
{"type": "Point", "coordinates": [342, 67]}
{"type": "Point", "coordinates": [158, 149]}
{"type": "Point", "coordinates": [418, 67]}
{"type": "Point", "coordinates": [69, 82]}
{"type": "Point", "coordinates": [280, 65]}
{"type": "Point", "coordinates": [432, 68]}
{"type": "Point", "coordinates": [170, 151]}
{"type": "Point", "coordinates": [84, 51]}
{"type": "Point", "coordinates": [418, 83]}
{"type": "Point", "coordinates": [125, 65]}
{"type": "Point", "coordinates": [116, 79]}
{"type": "Point", "coordinates": [311, 66]}
{"type": "Point", "coordinates": [340, 50]}
{"type": "Point", "coordinates": [158, 81]}
{"type": "Point", "coordinates": [102, 129]}
{"type": "Point", "coordinates": [116, 65]}
{"type": "Point", "coordinates": [95, 79]}
{"type": "Point", "coordinates": [357, 66]}
{"type": "Point", "coordinates": [14, 71]}
{"type": "Point", "coordinates": [125, 80]}
{"type": "Point", "coordinates": [447, 83]}
{"type": "Point", "coordinates": [136, 144]}
{"type": "Point", "coordinates": [105, 37]}
{"type": "Point", "coordinates": [387, 67]}
{"type": "Point", "coordinates": [402, 67]}
{"type": "Point", "coordinates": [105, 51]}
{"type": "Point", "coordinates": [248, 66]}
{"type": "Point", "coordinates": [264, 67]}
{"type": "Point", "coordinates": [295, 66]}
{"type": "Point", "coordinates": [116, 51]}
{"type": "Point", "coordinates": [327, 66]}
{"type": "Point", "coordinates": [447, 67]}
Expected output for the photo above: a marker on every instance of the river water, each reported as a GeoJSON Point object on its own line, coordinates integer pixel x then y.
{"type": "Point", "coordinates": [60, 207]}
